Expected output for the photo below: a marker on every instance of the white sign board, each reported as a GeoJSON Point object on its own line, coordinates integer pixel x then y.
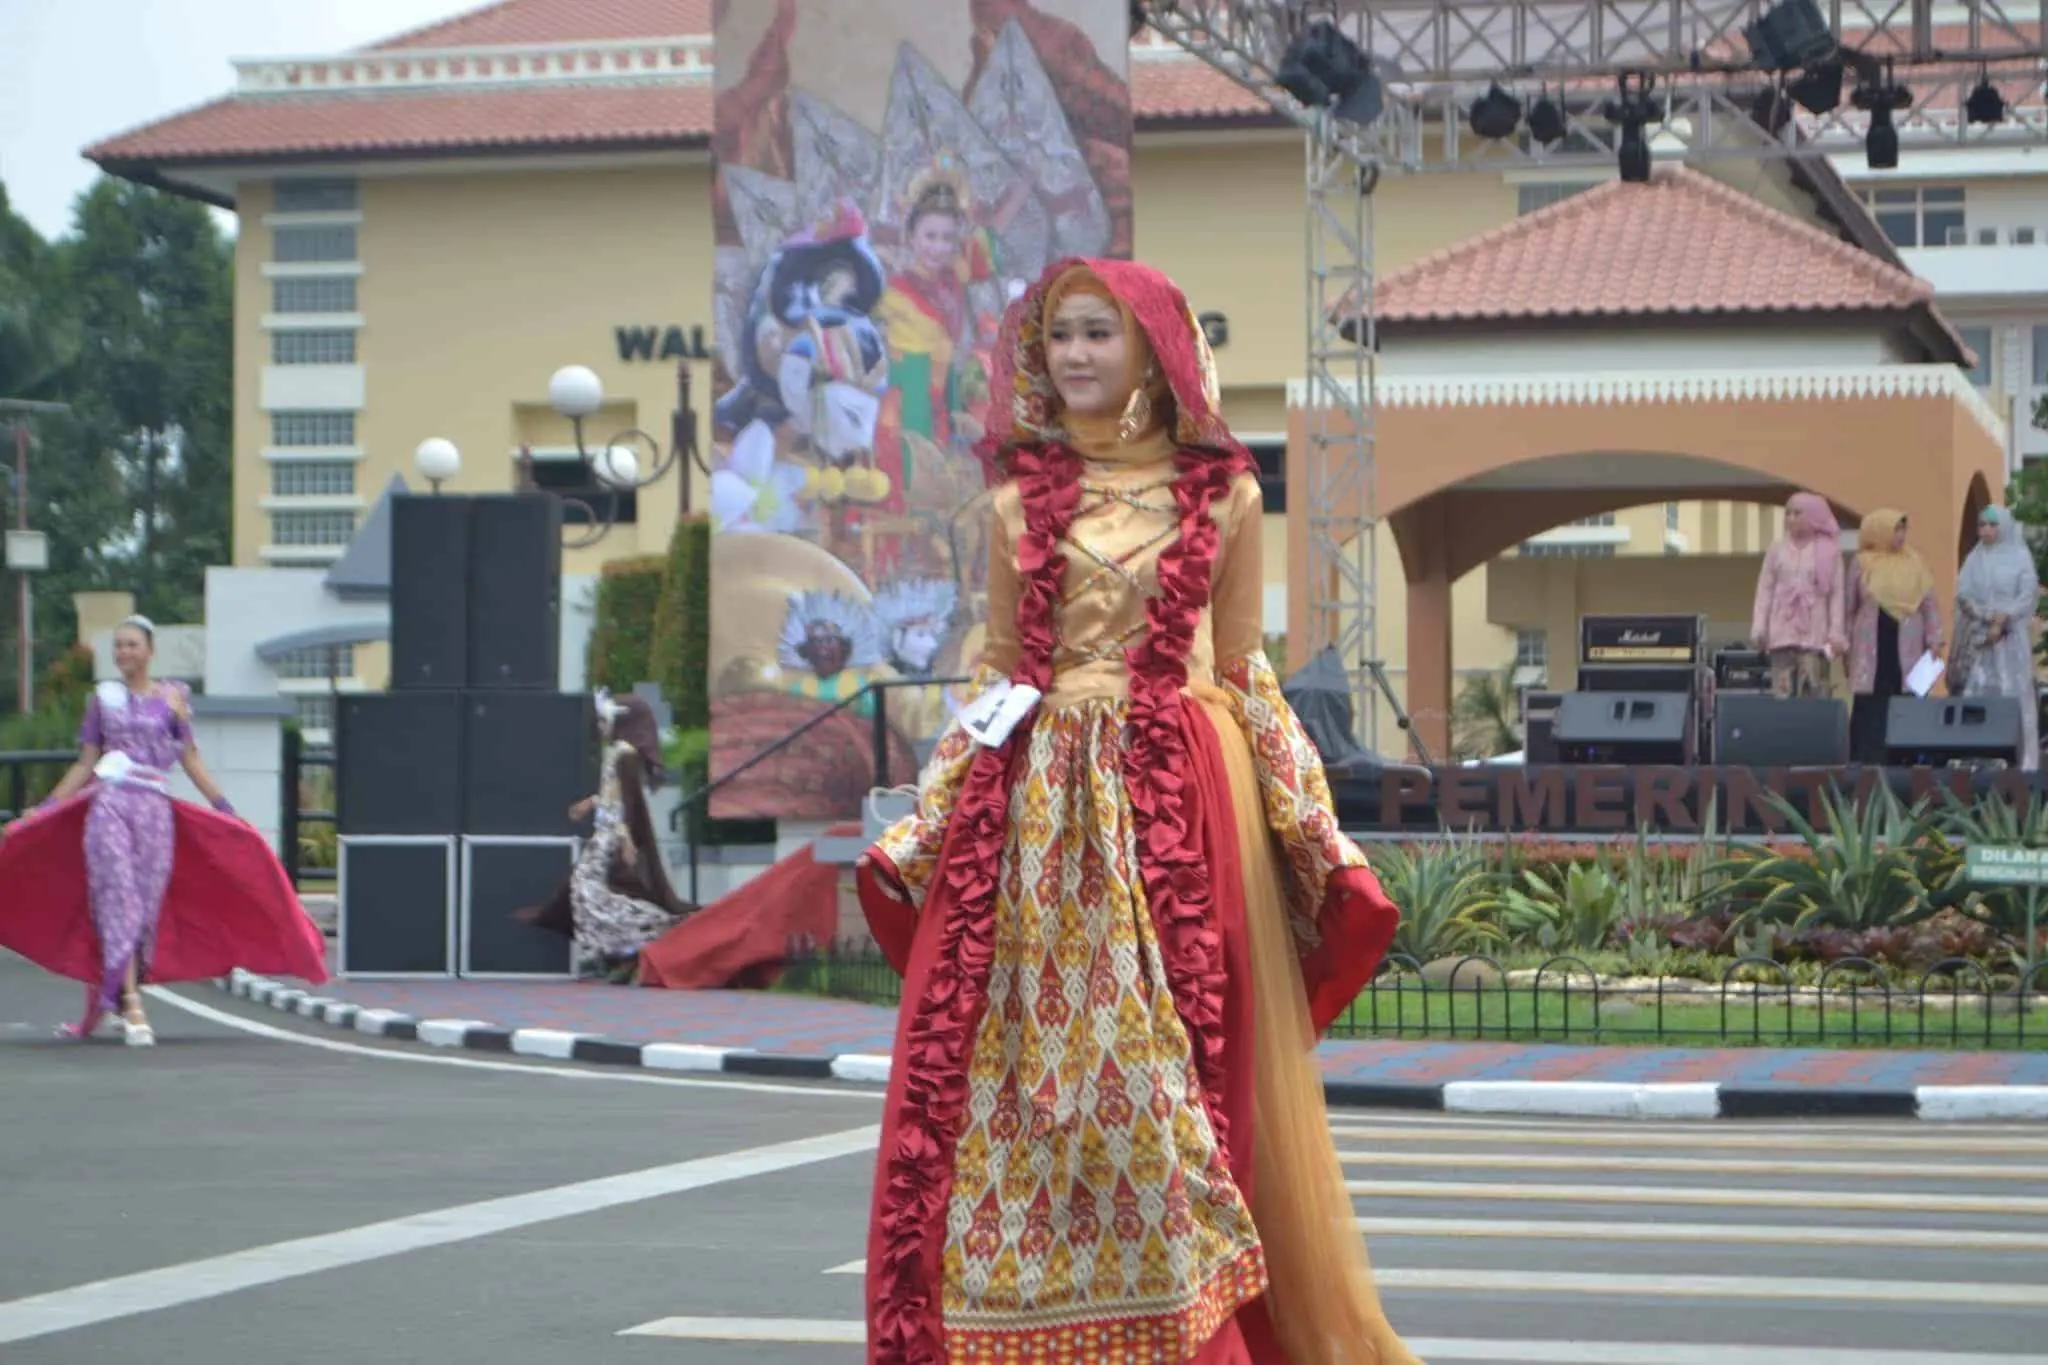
{"type": "Point", "coordinates": [28, 551]}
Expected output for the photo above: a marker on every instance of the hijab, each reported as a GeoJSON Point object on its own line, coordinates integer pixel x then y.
{"type": "Point", "coordinates": [1105, 437]}
{"type": "Point", "coordinates": [1898, 580]}
{"type": "Point", "coordinates": [1999, 578]}
{"type": "Point", "coordinates": [1811, 557]}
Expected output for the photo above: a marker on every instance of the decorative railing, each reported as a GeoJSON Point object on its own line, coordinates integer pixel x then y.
{"type": "Point", "coordinates": [641, 59]}
{"type": "Point", "coordinates": [1957, 1004]}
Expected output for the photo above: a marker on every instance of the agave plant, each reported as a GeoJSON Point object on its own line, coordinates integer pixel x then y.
{"type": "Point", "coordinates": [2013, 912]}
{"type": "Point", "coordinates": [1578, 916]}
{"type": "Point", "coordinates": [1448, 895]}
{"type": "Point", "coordinates": [1883, 866]}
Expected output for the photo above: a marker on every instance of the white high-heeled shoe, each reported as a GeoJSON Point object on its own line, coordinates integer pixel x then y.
{"type": "Point", "coordinates": [138, 1035]}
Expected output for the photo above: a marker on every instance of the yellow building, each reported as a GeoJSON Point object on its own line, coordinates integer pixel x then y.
{"type": "Point", "coordinates": [431, 227]}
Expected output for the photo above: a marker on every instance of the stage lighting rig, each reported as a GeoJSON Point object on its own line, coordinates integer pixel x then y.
{"type": "Point", "coordinates": [1323, 68]}
{"type": "Point", "coordinates": [1633, 113]}
{"type": "Point", "coordinates": [1880, 99]}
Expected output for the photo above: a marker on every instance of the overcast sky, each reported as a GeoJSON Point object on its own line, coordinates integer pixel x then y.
{"type": "Point", "coordinates": [75, 71]}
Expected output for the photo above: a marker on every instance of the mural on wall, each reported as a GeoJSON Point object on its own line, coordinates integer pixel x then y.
{"type": "Point", "coordinates": [891, 173]}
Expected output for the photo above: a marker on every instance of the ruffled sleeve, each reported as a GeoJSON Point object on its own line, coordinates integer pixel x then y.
{"type": "Point", "coordinates": [1341, 921]}
{"type": "Point", "coordinates": [896, 871]}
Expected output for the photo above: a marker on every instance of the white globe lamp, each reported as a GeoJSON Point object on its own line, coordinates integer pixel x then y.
{"type": "Point", "coordinates": [616, 467]}
{"type": "Point", "coordinates": [437, 461]}
{"type": "Point", "coordinates": [576, 392]}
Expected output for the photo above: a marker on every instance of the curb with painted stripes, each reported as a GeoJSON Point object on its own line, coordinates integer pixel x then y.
{"type": "Point", "coordinates": [1562, 1099]}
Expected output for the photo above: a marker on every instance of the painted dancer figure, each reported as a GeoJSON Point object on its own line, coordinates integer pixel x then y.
{"type": "Point", "coordinates": [113, 882]}
{"type": "Point", "coordinates": [1124, 919]}
{"type": "Point", "coordinates": [618, 898]}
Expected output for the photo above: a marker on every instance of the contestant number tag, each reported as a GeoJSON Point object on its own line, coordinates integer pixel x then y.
{"type": "Point", "coordinates": [990, 717]}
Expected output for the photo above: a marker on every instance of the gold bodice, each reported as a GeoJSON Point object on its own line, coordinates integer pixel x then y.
{"type": "Point", "coordinates": [1125, 520]}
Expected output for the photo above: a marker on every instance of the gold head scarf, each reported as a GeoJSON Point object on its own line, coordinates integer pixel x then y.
{"type": "Point", "coordinates": [1898, 580]}
{"type": "Point", "coordinates": [1108, 437]}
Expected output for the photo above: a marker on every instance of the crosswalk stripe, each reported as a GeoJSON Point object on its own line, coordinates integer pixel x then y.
{"type": "Point", "coordinates": [1858, 1132]}
{"type": "Point", "coordinates": [853, 1332]}
{"type": "Point", "coordinates": [1529, 1161]}
{"type": "Point", "coordinates": [1667, 1286]}
{"type": "Point", "coordinates": [1888, 1201]}
{"type": "Point", "coordinates": [1746, 1139]}
{"type": "Point", "coordinates": [1664, 1286]}
{"type": "Point", "coordinates": [1677, 1234]}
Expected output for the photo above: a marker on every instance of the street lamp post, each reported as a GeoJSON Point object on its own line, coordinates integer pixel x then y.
{"type": "Point", "coordinates": [28, 552]}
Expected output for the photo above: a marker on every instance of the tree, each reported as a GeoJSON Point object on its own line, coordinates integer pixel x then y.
{"type": "Point", "coordinates": [1486, 717]}
{"type": "Point", "coordinates": [152, 282]}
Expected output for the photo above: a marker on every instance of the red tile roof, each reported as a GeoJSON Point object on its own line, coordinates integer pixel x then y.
{"type": "Point", "coordinates": [560, 116]}
{"type": "Point", "coordinates": [370, 122]}
{"type": "Point", "coordinates": [1683, 243]}
{"type": "Point", "coordinates": [556, 21]}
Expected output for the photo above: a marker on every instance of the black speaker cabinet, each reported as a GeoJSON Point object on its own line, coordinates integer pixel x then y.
{"type": "Point", "coordinates": [1638, 678]}
{"type": "Point", "coordinates": [1625, 727]}
{"type": "Point", "coordinates": [1937, 731]}
{"type": "Point", "coordinates": [397, 913]}
{"type": "Point", "coordinates": [526, 758]}
{"type": "Point", "coordinates": [1539, 725]}
{"type": "Point", "coordinates": [430, 570]}
{"type": "Point", "coordinates": [515, 592]}
{"type": "Point", "coordinates": [398, 763]}
{"type": "Point", "coordinates": [1769, 732]}
{"type": "Point", "coordinates": [501, 876]}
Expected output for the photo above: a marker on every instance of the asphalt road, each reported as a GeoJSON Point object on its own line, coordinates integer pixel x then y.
{"type": "Point", "coordinates": [246, 1190]}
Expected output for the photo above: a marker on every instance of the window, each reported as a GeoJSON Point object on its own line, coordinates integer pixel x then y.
{"type": "Point", "coordinates": [302, 245]}
{"type": "Point", "coordinates": [312, 428]}
{"type": "Point", "coordinates": [2040, 339]}
{"type": "Point", "coordinates": [314, 663]}
{"type": "Point", "coordinates": [312, 530]}
{"type": "Point", "coordinates": [323, 294]}
{"type": "Point", "coordinates": [1272, 458]}
{"type": "Point", "coordinates": [570, 477]}
{"type": "Point", "coordinates": [1603, 519]}
{"type": "Point", "coordinates": [1536, 549]}
{"type": "Point", "coordinates": [312, 348]}
{"type": "Point", "coordinates": [1532, 649]}
{"type": "Point", "coordinates": [313, 478]}
{"type": "Point", "coordinates": [1529, 198]}
{"type": "Point", "coordinates": [2023, 236]}
{"type": "Point", "coordinates": [1671, 516]}
{"type": "Point", "coordinates": [1978, 339]}
{"type": "Point", "coordinates": [316, 715]}
{"type": "Point", "coordinates": [317, 196]}
{"type": "Point", "coordinates": [1926, 215]}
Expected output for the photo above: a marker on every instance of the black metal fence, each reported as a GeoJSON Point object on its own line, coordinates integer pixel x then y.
{"type": "Point", "coordinates": [306, 832]}
{"type": "Point", "coordinates": [1957, 1004]}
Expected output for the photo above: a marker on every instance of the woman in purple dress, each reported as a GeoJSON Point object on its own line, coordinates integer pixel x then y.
{"type": "Point", "coordinates": [134, 732]}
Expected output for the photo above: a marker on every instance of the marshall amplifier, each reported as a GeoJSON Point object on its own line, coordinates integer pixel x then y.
{"type": "Point", "coordinates": [1665, 641]}
{"type": "Point", "coordinates": [1742, 672]}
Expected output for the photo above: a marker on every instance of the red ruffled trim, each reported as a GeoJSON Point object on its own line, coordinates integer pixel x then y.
{"type": "Point", "coordinates": [1358, 923]}
{"type": "Point", "coordinates": [1157, 768]}
{"type": "Point", "coordinates": [917, 1172]}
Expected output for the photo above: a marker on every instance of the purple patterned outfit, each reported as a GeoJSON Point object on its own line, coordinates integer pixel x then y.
{"type": "Point", "coordinates": [128, 833]}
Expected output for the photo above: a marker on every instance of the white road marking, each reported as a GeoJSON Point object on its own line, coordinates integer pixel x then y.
{"type": "Point", "coordinates": [1730, 1137]}
{"type": "Point", "coordinates": [1815, 1129]}
{"type": "Point", "coordinates": [1678, 1234]}
{"type": "Point", "coordinates": [569, 1073]}
{"type": "Point", "coordinates": [86, 1305]}
{"type": "Point", "coordinates": [1529, 1161]}
{"type": "Point", "coordinates": [1688, 1286]}
{"type": "Point", "coordinates": [1664, 1286]}
{"type": "Point", "coordinates": [852, 1332]}
{"type": "Point", "coordinates": [1481, 1191]}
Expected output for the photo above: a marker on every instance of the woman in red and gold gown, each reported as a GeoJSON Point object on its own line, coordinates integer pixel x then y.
{"type": "Point", "coordinates": [1123, 926]}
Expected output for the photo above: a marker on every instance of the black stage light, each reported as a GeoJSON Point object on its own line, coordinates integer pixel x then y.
{"type": "Point", "coordinates": [1496, 114]}
{"type": "Point", "coordinates": [1323, 68]}
{"type": "Point", "coordinates": [1789, 36]}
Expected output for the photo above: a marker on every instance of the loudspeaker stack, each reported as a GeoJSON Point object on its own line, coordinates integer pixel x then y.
{"type": "Point", "coordinates": [451, 789]}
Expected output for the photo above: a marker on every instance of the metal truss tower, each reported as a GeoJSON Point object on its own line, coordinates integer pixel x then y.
{"type": "Point", "coordinates": [1435, 57]}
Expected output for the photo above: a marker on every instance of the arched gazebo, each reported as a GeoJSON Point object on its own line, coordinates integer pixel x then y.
{"type": "Point", "coordinates": [1674, 341]}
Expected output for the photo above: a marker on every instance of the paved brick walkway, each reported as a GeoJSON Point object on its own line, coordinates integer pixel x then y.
{"type": "Point", "coordinates": [768, 1022]}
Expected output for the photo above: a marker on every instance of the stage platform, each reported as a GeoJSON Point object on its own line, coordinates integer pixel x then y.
{"type": "Point", "coordinates": [1599, 801]}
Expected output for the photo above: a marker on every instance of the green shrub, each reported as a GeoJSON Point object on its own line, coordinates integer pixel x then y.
{"type": "Point", "coordinates": [681, 652]}
{"type": "Point", "coordinates": [621, 642]}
